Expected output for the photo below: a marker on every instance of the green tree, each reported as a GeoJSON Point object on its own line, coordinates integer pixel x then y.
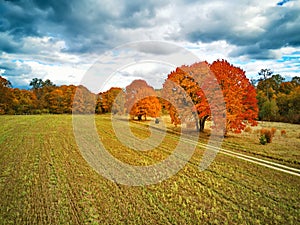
{"type": "Point", "coordinates": [296, 81]}
{"type": "Point", "coordinates": [269, 110]}
{"type": "Point", "coordinates": [265, 74]}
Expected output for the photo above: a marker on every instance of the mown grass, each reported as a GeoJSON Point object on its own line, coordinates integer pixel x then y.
{"type": "Point", "coordinates": [284, 148]}
{"type": "Point", "coordinates": [45, 180]}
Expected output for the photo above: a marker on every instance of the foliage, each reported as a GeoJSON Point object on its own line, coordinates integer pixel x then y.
{"type": "Point", "coordinates": [106, 100]}
{"type": "Point", "coordinates": [269, 110]}
{"type": "Point", "coordinates": [238, 93]}
{"type": "Point", "coordinates": [279, 100]}
{"type": "Point", "coordinates": [141, 100]}
{"type": "Point", "coordinates": [248, 130]}
{"type": "Point", "coordinates": [268, 134]}
{"type": "Point", "coordinates": [263, 139]}
{"type": "Point", "coordinates": [6, 97]}
{"type": "Point", "coordinates": [44, 97]}
{"type": "Point", "coordinates": [84, 101]}
{"type": "Point", "coordinates": [5, 83]}
{"type": "Point", "coordinates": [283, 132]}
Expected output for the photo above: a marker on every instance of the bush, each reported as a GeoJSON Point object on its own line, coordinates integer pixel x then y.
{"type": "Point", "coordinates": [269, 134]}
{"type": "Point", "coordinates": [283, 133]}
{"type": "Point", "coordinates": [248, 129]}
{"type": "Point", "coordinates": [273, 131]}
{"type": "Point", "coordinates": [263, 139]}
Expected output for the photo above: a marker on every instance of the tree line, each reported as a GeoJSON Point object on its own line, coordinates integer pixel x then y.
{"type": "Point", "coordinates": [271, 98]}
{"type": "Point", "coordinates": [278, 100]}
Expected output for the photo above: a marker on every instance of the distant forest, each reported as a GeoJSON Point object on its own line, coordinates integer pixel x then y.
{"type": "Point", "coordinates": [277, 99]}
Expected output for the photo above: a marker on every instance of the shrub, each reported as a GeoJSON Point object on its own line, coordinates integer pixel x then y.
{"type": "Point", "coordinates": [269, 134]}
{"type": "Point", "coordinates": [273, 131]}
{"type": "Point", "coordinates": [263, 139]}
{"type": "Point", "coordinates": [248, 129]}
{"type": "Point", "coordinates": [283, 133]}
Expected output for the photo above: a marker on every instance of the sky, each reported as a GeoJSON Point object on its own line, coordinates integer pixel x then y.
{"type": "Point", "coordinates": [62, 40]}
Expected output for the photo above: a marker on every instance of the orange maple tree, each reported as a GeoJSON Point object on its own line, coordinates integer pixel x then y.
{"type": "Point", "coordinates": [106, 100]}
{"type": "Point", "coordinates": [239, 95]}
{"type": "Point", "coordinates": [141, 100]}
{"type": "Point", "coordinates": [6, 97]}
{"type": "Point", "coordinates": [198, 82]}
{"type": "Point", "coordinates": [192, 94]}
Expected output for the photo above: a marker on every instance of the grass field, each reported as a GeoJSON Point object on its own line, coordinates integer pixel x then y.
{"type": "Point", "coordinates": [45, 180]}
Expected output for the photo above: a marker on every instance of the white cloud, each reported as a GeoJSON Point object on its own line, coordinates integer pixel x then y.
{"type": "Point", "coordinates": [60, 44]}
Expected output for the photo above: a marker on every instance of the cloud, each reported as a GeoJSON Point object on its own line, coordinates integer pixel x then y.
{"type": "Point", "coordinates": [70, 35]}
{"type": "Point", "coordinates": [89, 26]}
{"type": "Point", "coordinates": [282, 2]}
{"type": "Point", "coordinates": [16, 72]}
{"type": "Point", "coordinates": [13, 68]}
{"type": "Point", "coordinates": [253, 27]}
{"type": "Point", "coordinates": [8, 44]}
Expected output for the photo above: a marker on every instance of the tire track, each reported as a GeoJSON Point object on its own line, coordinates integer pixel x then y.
{"type": "Point", "coordinates": [251, 159]}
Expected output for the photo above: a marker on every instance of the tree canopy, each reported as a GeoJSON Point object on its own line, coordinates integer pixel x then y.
{"type": "Point", "coordinates": [190, 91]}
{"type": "Point", "coordinates": [279, 100]}
{"type": "Point", "coordinates": [238, 93]}
{"type": "Point", "coordinates": [141, 100]}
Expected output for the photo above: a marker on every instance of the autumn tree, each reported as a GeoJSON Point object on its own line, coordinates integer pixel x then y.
{"type": "Point", "coordinates": [288, 101]}
{"type": "Point", "coordinates": [24, 101]}
{"type": "Point", "coordinates": [6, 96]}
{"type": "Point", "coordinates": [106, 100]}
{"type": "Point", "coordinates": [183, 94]}
{"type": "Point", "coordinates": [42, 89]}
{"type": "Point", "coordinates": [84, 101]}
{"type": "Point", "coordinates": [267, 92]}
{"type": "Point", "coordinates": [5, 83]}
{"type": "Point", "coordinates": [141, 100]}
{"type": "Point", "coordinates": [68, 97]}
{"type": "Point", "coordinates": [238, 93]}
{"type": "Point", "coordinates": [55, 100]}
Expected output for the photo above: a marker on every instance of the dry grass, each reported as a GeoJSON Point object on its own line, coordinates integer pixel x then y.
{"type": "Point", "coordinates": [45, 180]}
{"type": "Point", "coordinates": [284, 147]}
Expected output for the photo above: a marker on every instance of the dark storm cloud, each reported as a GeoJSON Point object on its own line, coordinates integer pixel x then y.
{"type": "Point", "coordinates": [19, 19]}
{"type": "Point", "coordinates": [63, 19]}
{"type": "Point", "coordinates": [7, 44]}
{"type": "Point", "coordinates": [280, 28]}
{"type": "Point", "coordinates": [85, 26]}
{"type": "Point", "coordinates": [95, 26]}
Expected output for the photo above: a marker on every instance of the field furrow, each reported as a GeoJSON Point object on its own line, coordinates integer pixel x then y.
{"type": "Point", "coordinates": [44, 179]}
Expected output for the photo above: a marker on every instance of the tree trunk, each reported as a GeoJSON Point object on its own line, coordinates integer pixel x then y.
{"type": "Point", "coordinates": [197, 121]}
{"type": "Point", "coordinates": [202, 123]}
